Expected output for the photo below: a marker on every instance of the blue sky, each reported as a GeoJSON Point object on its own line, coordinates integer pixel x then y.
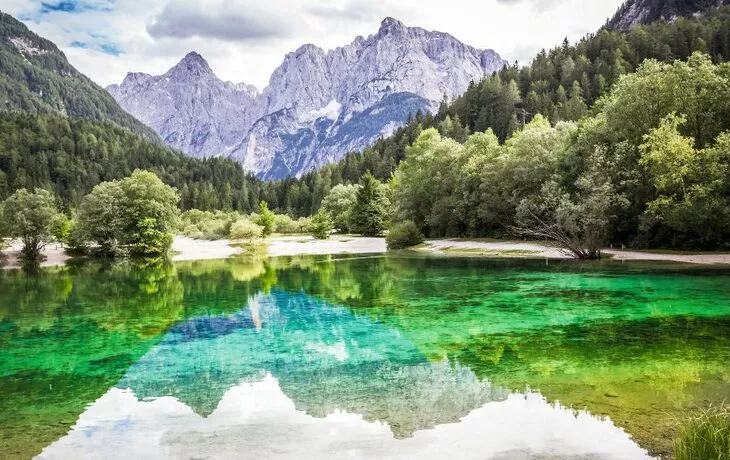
{"type": "Point", "coordinates": [245, 40]}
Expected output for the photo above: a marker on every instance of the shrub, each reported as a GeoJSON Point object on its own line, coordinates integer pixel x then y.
{"type": "Point", "coordinates": [206, 225]}
{"type": "Point", "coordinates": [265, 219]}
{"type": "Point", "coordinates": [303, 224]}
{"type": "Point", "coordinates": [704, 436]}
{"type": "Point", "coordinates": [192, 231]}
{"type": "Point", "coordinates": [321, 226]}
{"type": "Point", "coordinates": [285, 224]}
{"type": "Point", "coordinates": [245, 230]}
{"type": "Point", "coordinates": [404, 235]}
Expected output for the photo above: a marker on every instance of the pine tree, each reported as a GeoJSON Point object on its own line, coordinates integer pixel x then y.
{"type": "Point", "coordinates": [369, 215]}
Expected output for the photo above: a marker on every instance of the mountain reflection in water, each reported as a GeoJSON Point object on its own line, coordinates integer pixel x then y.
{"type": "Point", "coordinates": [392, 356]}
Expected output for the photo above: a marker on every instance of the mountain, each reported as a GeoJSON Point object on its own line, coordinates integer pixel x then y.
{"type": "Point", "coordinates": [190, 107]}
{"type": "Point", "coordinates": [36, 78]}
{"type": "Point", "coordinates": [560, 83]}
{"type": "Point", "coordinates": [318, 106]}
{"type": "Point", "coordinates": [635, 12]}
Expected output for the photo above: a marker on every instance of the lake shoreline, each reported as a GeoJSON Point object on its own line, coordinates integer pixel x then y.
{"type": "Point", "coordinates": [189, 249]}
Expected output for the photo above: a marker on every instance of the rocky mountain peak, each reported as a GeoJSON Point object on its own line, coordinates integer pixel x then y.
{"type": "Point", "coordinates": [391, 25]}
{"type": "Point", "coordinates": [307, 49]}
{"type": "Point", "coordinates": [134, 78]}
{"type": "Point", "coordinates": [251, 90]}
{"type": "Point", "coordinates": [635, 12]}
{"type": "Point", "coordinates": [318, 105]}
{"type": "Point", "coordinates": [193, 64]}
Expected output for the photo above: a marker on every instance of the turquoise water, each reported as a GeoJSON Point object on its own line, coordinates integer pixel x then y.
{"type": "Point", "coordinates": [362, 357]}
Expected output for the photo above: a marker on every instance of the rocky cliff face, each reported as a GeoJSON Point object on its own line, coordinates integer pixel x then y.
{"type": "Point", "coordinates": [189, 107]}
{"type": "Point", "coordinates": [318, 105]}
{"type": "Point", "coordinates": [635, 12]}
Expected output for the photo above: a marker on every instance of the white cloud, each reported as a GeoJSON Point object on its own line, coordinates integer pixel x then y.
{"type": "Point", "coordinates": [245, 40]}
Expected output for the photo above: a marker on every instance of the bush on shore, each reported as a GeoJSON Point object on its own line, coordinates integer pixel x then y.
{"type": "Point", "coordinates": [404, 235]}
{"type": "Point", "coordinates": [286, 225]}
{"type": "Point", "coordinates": [322, 225]}
{"type": "Point", "coordinates": [207, 225]}
{"type": "Point", "coordinates": [244, 229]}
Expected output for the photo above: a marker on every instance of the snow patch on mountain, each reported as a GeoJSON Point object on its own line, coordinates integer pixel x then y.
{"type": "Point", "coordinates": [330, 111]}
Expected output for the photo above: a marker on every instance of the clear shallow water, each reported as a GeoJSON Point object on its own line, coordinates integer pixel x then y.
{"type": "Point", "coordinates": [379, 357]}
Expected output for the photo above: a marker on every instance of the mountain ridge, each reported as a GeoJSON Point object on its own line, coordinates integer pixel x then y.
{"type": "Point", "coordinates": [304, 117]}
{"type": "Point", "coordinates": [36, 77]}
{"type": "Point", "coordinates": [635, 12]}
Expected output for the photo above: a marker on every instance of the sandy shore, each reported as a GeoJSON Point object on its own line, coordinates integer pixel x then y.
{"type": "Point", "coordinates": [306, 245]}
{"type": "Point", "coordinates": [185, 248]}
{"type": "Point", "coordinates": [539, 250]}
{"type": "Point", "coordinates": [494, 249]}
{"type": "Point", "coordinates": [55, 255]}
{"type": "Point", "coordinates": [706, 259]}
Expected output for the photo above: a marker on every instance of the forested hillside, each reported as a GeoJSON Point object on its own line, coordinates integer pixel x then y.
{"type": "Point", "coordinates": [562, 84]}
{"type": "Point", "coordinates": [650, 168]}
{"type": "Point", "coordinates": [69, 157]}
{"type": "Point", "coordinates": [635, 12]}
{"type": "Point", "coordinates": [36, 78]}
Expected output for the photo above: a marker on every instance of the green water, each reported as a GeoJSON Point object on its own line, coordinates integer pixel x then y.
{"type": "Point", "coordinates": [395, 353]}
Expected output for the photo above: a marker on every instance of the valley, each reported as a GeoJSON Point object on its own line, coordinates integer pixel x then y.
{"type": "Point", "coordinates": [400, 245]}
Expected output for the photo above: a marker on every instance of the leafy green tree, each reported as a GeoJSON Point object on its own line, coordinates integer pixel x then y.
{"type": "Point", "coordinates": [497, 178]}
{"type": "Point", "coordinates": [339, 203]}
{"type": "Point", "coordinates": [690, 185]}
{"type": "Point", "coordinates": [425, 182]}
{"type": "Point", "coordinates": [266, 219]}
{"type": "Point", "coordinates": [28, 215]}
{"type": "Point", "coordinates": [100, 221]}
{"type": "Point", "coordinates": [61, 227]}
{"type": "Point", "coordinates": [578, 222]}
{"type": "Point", "coordinates": [697, 89]}
{"type": "Point", "coordinates": [321, 226]}
{"type": "Point", "coordinates": [149, 239]}
{"type": "Point", "coordinates": [370, 213]}
{"type": "Point", "coordinates": [149, 214]}
{"type": "Point", "coordinates": [478, 184]}
{"type": "Point", "coordinates": [136, 214]}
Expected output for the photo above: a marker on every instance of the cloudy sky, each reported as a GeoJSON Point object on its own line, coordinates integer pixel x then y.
{"type": "Point", "coordinates": [245, 40]}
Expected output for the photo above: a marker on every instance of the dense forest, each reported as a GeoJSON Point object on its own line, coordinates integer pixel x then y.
{"type": "Point", "coordinates": [650, 167]}
{"type": "Point", "coordinates": [69, 157]}
{"type": "Point", "coordinates": [562, 84]}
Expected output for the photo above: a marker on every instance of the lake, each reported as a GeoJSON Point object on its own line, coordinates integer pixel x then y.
{"type": "Point", "coordinates": [393, 356]}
